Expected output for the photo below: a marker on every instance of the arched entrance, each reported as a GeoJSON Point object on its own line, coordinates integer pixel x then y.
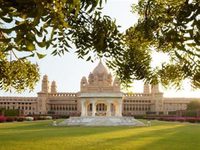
{"type": "Point", "coordinates": [101, 109]}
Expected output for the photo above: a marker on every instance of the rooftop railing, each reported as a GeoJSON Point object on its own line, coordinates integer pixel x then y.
{"type": "Point", "coordinates": [136, 94]}
{"type": "Point", "coordinates": [63, 94]}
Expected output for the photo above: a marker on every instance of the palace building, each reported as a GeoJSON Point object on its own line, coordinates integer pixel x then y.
{"type": "Point", "coordinates": [99, 95]}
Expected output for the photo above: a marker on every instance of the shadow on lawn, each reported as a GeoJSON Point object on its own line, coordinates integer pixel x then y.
{"type": "Point", "coordinates": [26, 131]}
{"type": "Point", "coordinates": [133, 138]}
{"type": "Point", "coordinates": [162, 135]}
{"type": "Point", "coordinates": [177, 138]}
{"type": "Point", "coordinates": [172, 138]}
{"type": "Point", "coordinates": [184, 138]}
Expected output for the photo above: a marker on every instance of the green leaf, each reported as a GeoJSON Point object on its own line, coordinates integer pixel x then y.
{"type": "Point", "coordinates": [40, 56]}
{"type": "Point", "coordinates": [7, 20]}
{"type": "Point", "coordinates": [30, 46]}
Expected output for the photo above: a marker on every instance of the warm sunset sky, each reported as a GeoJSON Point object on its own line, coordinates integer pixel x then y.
{"type": "Point", "coordinates": [68, 70]}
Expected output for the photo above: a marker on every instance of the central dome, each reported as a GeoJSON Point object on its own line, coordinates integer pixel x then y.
{"type": "Point", "coordinates": [100, 69]}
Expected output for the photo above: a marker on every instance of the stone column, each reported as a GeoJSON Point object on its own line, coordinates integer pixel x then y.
{"type": "Point", "coordinates": [86, 109]}
{"type": "Point", "coordinates": [93, 108]}
{"type": "Point", "coordinates": [82, 108]}
{"type": "Point", "coordinates": [120, 108]}
{"type": "Point", "coordinates": [117, 109]}
{"type": "Point", "coordinates": [108, 109]}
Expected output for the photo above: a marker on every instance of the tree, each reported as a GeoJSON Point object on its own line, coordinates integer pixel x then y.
{"type": "Point", "coordinates": [193, 105]}
{"type": "Point", "coordinates": [18, 74]}
{"type": "Point", "coordinates": [55, 25]}
{"type": "Point", "coordinates": [169, 27]}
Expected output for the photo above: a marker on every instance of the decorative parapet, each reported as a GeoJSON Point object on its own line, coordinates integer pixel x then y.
{"type": "Point", "coordinates": [63, 94]}
{"type": "Point", "coordinates": [136, 95]}
{"type": "Point", "coordinates": [104, 95]}
{"type": "Point", "coordinates": [14, 99]}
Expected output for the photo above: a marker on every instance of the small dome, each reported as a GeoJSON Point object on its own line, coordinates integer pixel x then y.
{"type": "Point", "coordinates": [83, 78]}
{"type": "Point", "coordinates": [53, 87]}
{"type": "Point", "coordinates": [100, 69]}
{"type": "Point", "coordinates": [45, 77]}
{"type": "Point", "coordinates": [53, 83]}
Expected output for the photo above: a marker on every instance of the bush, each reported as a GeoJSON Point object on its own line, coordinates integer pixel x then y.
{"type": "Point", "coordinates": [20, 119]}
{"type": "Point", "coordinates": [35, 117]}
{"type": "Point", "coordinates": [64, 116]}
{"type": "Point", "coordinates": [10, 119]}
{"type": "Point", "coordinates": [41, 118]}
{"type": "Point", "coordinates": [51, 112]}
{"type": "Point", "coordinates": [11, 112]}
{"type": "Point", "coordinates": [175, 118]}
{"type": "Point", "coordinates": [48, 118]}
{"type": "Point", "coordinates": [55, 117]}
{"type": "Point", "coordinates": [29, 118]}
{"type": "Point", "coordinates": [190, 113]}
{"type": "Point", "coordinates": [1, 111]}
{"type": "Point", "coordinates": [2, 119]}
{"type": "Point", "coordinates": [139, 116]}
{"type": "Point", "coordinates": [191, 119]}
{"type": "Point", "coordinates": [172, 113]}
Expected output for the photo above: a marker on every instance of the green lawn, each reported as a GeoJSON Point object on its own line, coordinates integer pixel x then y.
{"type": "Point", "coordinates": [41, 136]}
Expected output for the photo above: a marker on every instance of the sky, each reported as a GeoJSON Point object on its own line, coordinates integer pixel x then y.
{"type": "Point", "coordinates": [68, 70]}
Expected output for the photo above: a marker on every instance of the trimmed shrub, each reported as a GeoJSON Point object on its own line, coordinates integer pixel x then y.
{"type": "Point", "coordinates": [41, 118]}
{"type": "Point", "coordinates": [138, 116]}
{"type": "Point", "coordinates": [29, 118]}
{"type": "Point", "coordinates": [11, 112]}
{"type": "Point", "coordinates": [2, 111]}
{"type": "Point", "coordinates": [20, 119]}
{"type": "Point", "coordinates": [36, 117]}
{"type": "Point", "coordinates": [191, 119]}
{"type": "Point", "coordinates": [2, 119]}
{"type": "Point", "coordinates": [10, 119]}
{"type": "Point", "coordinates": [55, 117]}
{"type": "Point", "coordinates": [190, 113]}
{"type": "Point", "coordinates": [64, 116]}
{"type": "Point", "coordinates": [48, 118]}
{"type": "Point", "coordinates": [51, 112]}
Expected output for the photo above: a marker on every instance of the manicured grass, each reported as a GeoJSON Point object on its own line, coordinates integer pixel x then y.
{"type": "Point", "coordinates": [41, 136]}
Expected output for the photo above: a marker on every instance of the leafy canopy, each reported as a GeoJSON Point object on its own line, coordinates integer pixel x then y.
{"type": "Point", "coordinates": [18, 74]}
{"type": "Point", "coordinates": [172, 28]}
{"type": "Point", "coordinates": [55, 25]}
{"type": "Point", "coordinates": [193, 105]}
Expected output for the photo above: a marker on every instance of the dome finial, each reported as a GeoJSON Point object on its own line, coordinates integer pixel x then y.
{"type": "Point", "coordinates": [100, 69]}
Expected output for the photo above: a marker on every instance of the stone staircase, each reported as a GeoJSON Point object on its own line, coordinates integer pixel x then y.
{"type": "Point", "coordinates": [101, 121]}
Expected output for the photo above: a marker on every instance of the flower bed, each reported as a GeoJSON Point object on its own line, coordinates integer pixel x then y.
{"type": "Point", "coordinates": [2, 119]}
{"type": "Point", "coordinates": [174, 118]}
{"type": "Point", "coordinates": [10, 119]}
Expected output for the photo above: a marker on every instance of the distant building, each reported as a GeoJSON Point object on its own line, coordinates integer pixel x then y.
{"type": "Point", "coordinates": [99, 95]}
